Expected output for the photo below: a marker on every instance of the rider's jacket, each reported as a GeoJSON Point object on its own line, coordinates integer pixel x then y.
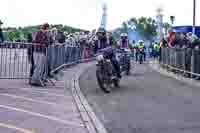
{"type": "Point", "coordinates": [141, 46]}
{"type": "Point", "coordinates": [124, 43]}
{"type": "Point", "coordinates": [108, 52]}
{"type": "Point", "coordinates": [156, 46]}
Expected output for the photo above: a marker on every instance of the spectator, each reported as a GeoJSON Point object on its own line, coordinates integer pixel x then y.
{"type": "Point", "coordinates": [101, 40]}
{"type": "Point", "coordinates": [53, 34]}
{"type": "Point", "coordinates": [1, 32]}
{"type": "Point", "coordinates": [163, 43]}
{"type": "Point", "coordinates": [30, 55]}
{"type": "Point", "coordinates": [193, 40]}
{"type": "Point", "coordinates": [171, 39]}
{"type": "Point", "coordinates": [60, 37]}
{"type": "Point", "coordinates": [39, 55]}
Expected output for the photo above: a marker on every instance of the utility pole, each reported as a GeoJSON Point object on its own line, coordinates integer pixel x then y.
{"type": "Point", "coordinates": [159, 18]}
{"type": "Point", "coordinates": [194, 16]}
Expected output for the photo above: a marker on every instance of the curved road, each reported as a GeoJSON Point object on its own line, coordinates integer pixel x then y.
{"type": "Point", "coordinates": [147, 102]}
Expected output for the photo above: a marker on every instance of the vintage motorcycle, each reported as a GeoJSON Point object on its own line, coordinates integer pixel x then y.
{"type": "Point", "coordinates": [124, 58]}
{"type": "Point", "coordinates": [105, 74]}
{"type": "Point", "coordinates": [141, 55]}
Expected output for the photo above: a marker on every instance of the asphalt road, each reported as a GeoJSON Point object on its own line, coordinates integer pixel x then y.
{"type": "Point", "coordinates": [50, 109]}
{"type": "Point", "coordinates": [147, 102]}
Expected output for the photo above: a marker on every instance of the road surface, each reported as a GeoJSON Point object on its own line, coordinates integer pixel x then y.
{"type": "Point", "coordinates": [147, 102]}
{"type": "Point", "coordinates": [50, 109]}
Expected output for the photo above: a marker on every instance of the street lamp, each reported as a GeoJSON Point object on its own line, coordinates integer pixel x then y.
{"type": "Point", "coordinates": [194, 16]}
{"type": "Point", "coordinates": [159, 18]}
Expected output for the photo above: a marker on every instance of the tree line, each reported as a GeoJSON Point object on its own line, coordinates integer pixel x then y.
{"type": "Point", "coordinates": [23, 33]}
{"type": "Point", "coordinates": [145, 27]}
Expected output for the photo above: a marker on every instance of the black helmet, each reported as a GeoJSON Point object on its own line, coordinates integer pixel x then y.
{"type": "Point", "coordinates": [101, 30]}
{"type": "Point", "coordinates": [101, 33]}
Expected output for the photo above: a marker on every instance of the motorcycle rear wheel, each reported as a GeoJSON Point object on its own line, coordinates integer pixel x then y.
{"type": "Point", "coordinates": [128, 69]}
{"type": "Point", "coordinates": [140, 59]}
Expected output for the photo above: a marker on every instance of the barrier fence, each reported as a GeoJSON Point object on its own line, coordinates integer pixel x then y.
{"type": "Point", "coordinates": [16, 59]}
{"type": "Point", "coordinates": [186, 60]}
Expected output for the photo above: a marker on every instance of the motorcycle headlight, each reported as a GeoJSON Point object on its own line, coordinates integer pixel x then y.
{"type": "Point", "coordinates": [100, 58]}
{"type": "Point", "coordinates": [127, 50]}
{"type": "Point", "coordinates": [108, 60]}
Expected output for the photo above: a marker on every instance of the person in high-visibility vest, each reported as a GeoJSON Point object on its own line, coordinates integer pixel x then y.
{"type": "Point", "coordinates": [151, 49]}
{"type": "Point", "coordinates": [142, 46]}
{"type": "Point", "coordinates": [156, 48]}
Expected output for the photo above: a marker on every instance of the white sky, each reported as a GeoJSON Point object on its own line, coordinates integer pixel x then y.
{"type": "Point", "coordinates": [86, 14]}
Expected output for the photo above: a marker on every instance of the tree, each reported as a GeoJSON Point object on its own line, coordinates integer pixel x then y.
{"type": "Point", "coordinates": [124, 27]}
{"type": "Point", "coordinates": [13, 35]}
{"type": "Point", "coordinates": [172, 19]}
{"type": "Point", "coordinates": [116, 33]}
{"type": "Point", "coordinates": [166, 26]}
{"type": "Point", "coordinates": [146, 27]}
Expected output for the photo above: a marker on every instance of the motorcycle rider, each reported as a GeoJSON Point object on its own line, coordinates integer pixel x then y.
{"type": "Point", "coordinates": [151, 49]}
{"type": "Point", "coordinates": [133, 50]}
{"type": "Point", "coordinates": [124, 41]}
{"type": "Point", "coordinates": [101, 40]}
{"type": "Point", "coordinates": [156, 48]}
{"type": "Point", "coordinates": [126, 48]}
{"type": "Point", "coordinates": [136, 52]}
{"type": "Point", "coordinates": [108, 50]}
{"type": "Point", "coordinates": [142, 46]}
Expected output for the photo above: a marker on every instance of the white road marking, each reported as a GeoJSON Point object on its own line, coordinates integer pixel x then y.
{"type": "Point", "coordinates": [69, 123]}
{"type": "Point", "coordinates": [29, 99]}
{"type": "Point", "coordinates": [50, 94]}
{"type": "Point", "coordinates": [22, 130]}
{"type": "Point", "coordinates": [60, 81]}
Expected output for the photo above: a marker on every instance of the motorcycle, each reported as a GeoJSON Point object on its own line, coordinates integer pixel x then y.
{"type": "Point", "coordinates": [124, 58]}
{"type": "Point", "coordinates": [105, 74]}
{"type": "Point", "coordinates": [141, 55]}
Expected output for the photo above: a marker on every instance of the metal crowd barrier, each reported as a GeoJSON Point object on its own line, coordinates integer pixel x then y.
{"type": "Point", "coordinates": [13, 61]}
{"type": "Point", "coordinates": [185, 60]}
{"type": "Point", "coordinates": [16, 58]}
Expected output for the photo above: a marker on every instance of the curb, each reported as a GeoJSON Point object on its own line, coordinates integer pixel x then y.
{"type": "Point", "coordinates": [92, 123]}
{"type": "Point", "coordinates": [72, 64]}
{"type": "Point", "coordinates": [156, 67]}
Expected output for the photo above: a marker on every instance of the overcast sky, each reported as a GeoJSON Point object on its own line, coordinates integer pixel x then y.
{"type": "Point", "coordinates": [86, 14]}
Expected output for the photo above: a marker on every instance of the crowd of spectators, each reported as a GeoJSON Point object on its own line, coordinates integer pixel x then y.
{"type": "Point", "coordinates": [88, 42]}
{"type": "Point", "coordinates": [58, 40]}
{"type": "Point", "coordinates": [181, 40]}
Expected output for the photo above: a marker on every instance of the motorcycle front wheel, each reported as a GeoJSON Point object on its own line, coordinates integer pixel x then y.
{"type": "Point", "coordinates": [101, 81]}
